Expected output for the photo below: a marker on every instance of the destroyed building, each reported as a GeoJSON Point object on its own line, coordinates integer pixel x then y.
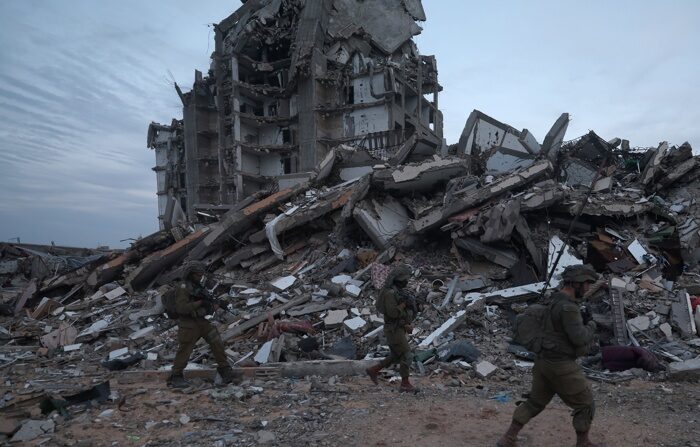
{"type": "Point", "coordinates": [290, 80]}
{"type": "Point", "coordinates": [297, 259]}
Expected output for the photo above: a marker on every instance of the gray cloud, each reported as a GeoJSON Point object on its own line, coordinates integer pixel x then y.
{"type": "Point", "coordinates": [81, 80]}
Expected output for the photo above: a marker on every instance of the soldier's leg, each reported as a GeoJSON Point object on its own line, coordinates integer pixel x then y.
{"type": "Point", "coordinates": [573, 388]}
{"type": "Point", "coordinates": [541, 394]}
{"type": "Point", "coordinates": [405, 356]}
{"type": "Point", "coordinates": [211, 336]}
{"type": "Point", "coordinates": [186, 338]}
{"type": "Point", "coordinates": [392, 339]}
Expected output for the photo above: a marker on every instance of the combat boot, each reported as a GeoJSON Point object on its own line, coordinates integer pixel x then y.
{"type": "Point", "coordinates": [582, 440]}
{"type": "Point", "coordinates": [228, 376]}
{"type": "Point", "coordinates": [510, 438]}
{"type": "Point", "coordinates": [178, 381]}
{"type": "Point", "coordinates": [406, 386]}
{"type": "Point", "coordinates": [373, 373]}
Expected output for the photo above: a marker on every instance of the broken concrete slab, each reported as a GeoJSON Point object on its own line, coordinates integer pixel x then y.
{"type": "Point", "coordinates": [419, 177]}
{"type": "Point", "coordinates": [686, 370]}
{"type": "Point", "coordinates": [503, 257]}
{"type": "Point", "coordinates": [555, 137]}
{"type": "Point", "coordinates": [472, 198]}
{"type": "Point", "coordinates": [237, 221]}
{"type": "Point", "coordinates": [354, 325]}
{"type": "Point", "coordinates": [283, 283]}
{"type": "Point", "coordinates": [32, 429]}
{"type": "Point", "coordinates": [335, 318]}
{"type": "Point", "coordinates": [485, 369]}
{"type": "Point", "coordinates": [653, 167]}
{"type": "Point", "coordinates": [382, 219]}
{"type": "Point", "coordinates": [451, 324]}
{"type": "Point", "coordinates": [151, 266]}
{"type": "Point", "coordinates": [682, 314]}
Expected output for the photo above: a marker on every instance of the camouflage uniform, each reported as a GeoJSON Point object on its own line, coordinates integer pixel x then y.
{"type": "Point", "coordinates": [191, 307]}
{"type": "Point", "coordinates": [398, 314]}
{"type": "Point", "coordinates": [191, 327]}
{"type": "Point", "coordinates": [396, 318]}
{"type": "Point", "coordinates": [556, 370]}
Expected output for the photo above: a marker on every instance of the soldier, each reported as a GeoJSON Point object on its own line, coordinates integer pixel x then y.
{"type": "Point", "coordinates": [556, 370]}
{"type": "Point", "coordinates": [399, 311]}
{"type": "Point", "coordinates": [192, 306]}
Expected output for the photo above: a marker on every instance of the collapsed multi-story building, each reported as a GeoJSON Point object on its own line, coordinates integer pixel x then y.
{"type": "Point", "coordinates": [289, 81]}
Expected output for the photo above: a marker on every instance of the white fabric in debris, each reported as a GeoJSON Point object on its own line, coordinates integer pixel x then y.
{"type": "Point", "coordinates": [271, 233]}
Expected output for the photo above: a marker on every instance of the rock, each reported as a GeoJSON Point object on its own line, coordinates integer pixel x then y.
{"type": "Point", "coordinates": [8, 426]}
{"type": "Point", "coordinates": [641, 323]}
{"type": "Point", "coordinates": [485, 369]}
{"type": "Point", "coordinates": [666, 329]}
{"type": "Point", "coordinates": [355, 324]}
{"type": "Point", "coordinates": [335, 318]}
{"type": "Point", "coordinates": [33, 429]}
{"type": "Point", "coordinates": [184, 419]}
{"type": "Point", "coordinates": [265, 437]}
{"type": "Point", "coordinates": [687, 370]}
{"type": "Point", "coordinates": [106, 414]}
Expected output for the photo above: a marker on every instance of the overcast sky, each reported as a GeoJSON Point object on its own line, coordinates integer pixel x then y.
{"type": "Point", "coordinates": [80, 80]}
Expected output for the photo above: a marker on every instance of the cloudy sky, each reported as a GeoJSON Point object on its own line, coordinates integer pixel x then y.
{"type": "Point", "coordinates": [81, 79]}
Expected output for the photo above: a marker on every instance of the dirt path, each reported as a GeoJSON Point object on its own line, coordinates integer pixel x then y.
{"type": "Point", "coordinates": [354, 413]}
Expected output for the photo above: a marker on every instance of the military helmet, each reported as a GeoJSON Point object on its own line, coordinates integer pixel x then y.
{"type": "Point", "coordinates": [193, 267]}
{"type": "Point", "coordinates": [579, 273]}
{"type": "Point", "coordinates": [400, 272]}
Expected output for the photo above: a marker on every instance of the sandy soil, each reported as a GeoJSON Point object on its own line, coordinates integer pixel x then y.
{"type": "Point", "coordinates": [447, 412]}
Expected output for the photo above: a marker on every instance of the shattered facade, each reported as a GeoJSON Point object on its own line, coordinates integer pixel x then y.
{"type": "Point", "coordinates": [289, 81]}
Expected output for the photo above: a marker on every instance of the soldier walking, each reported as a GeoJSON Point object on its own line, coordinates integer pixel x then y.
{"type": "Point", "coordinates": [398, 311]}
{"type": "Point", "coordinates": [192, 306]}
{"type": "Point", "coordinates": [556, 370]}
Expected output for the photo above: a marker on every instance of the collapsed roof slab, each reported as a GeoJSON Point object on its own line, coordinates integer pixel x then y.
{"type": "Point", "coordinates": [381, 220]}
{"type": "Point", "coordinates": [555, 137]}
{"type": "Point", "coordinates": [474, 197]}
{"type": "Point", "coordinates": [420, 177]}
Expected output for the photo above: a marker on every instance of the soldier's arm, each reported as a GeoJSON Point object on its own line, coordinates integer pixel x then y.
{"type": "Point", "coordinates": [183, 304]}
{"type": "Point", "coordinates": [578, 333]}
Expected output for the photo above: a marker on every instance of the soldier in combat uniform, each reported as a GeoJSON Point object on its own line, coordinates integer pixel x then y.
{"type": "Point", "coordinates": [398, 310]}
{"type": "Point", "coordinates": [556, 370]}
{"type": "Point", "coordinates": [192, 306]}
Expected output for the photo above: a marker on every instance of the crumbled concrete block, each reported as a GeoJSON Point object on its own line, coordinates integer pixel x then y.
{"type": "Point", "coordinates": [142, 333]}
{"type": "Point", "coordinates": [484, 369]}
{"type": "Point", "coordinates": [69, 348]}
{"type": "Point", "coordinates": [356, 324]}
{"type": "Point", "coordinates": [283, 283]}
{"type": "Point", "coordinates": [641, 323]}
{"type": "Point", "coordinates": [353, 290]}
{"type": "Point", "coordinates": [335, 318]}
{"type": "Point", "coordinates": [118, 353]}
{"type": "Point", "coordinates": [687, 370]}
{"type": "Point", "coordinates": [341, 279]}
{"type": "Point", "coordinates": [666, 329]}
{"type": "Point", "coordinates": [265, 437]}
{"type": "Point", "coordinates": [618, 283]}
{"type": "Point", "coordinates": [116, 293]}
{"type": "Point", "coordinates": [32, 430]}
{"type": "Point", "coordinates": [662, 309]}
{"type": "Point", "coordinates": [263, 354]}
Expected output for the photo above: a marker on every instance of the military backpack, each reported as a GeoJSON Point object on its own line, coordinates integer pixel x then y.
{"type": "Point", "coordinates": [169, 300]}
{"type": "Point", "coordinates": [534, 327]}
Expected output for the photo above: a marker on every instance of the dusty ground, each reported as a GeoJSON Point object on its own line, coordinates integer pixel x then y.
{"type": "Point", "coordinates": [449, 411]}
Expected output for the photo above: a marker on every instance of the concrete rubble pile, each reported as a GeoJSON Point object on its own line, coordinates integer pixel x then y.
{"type": "Point", "coordinates": [299, 269]}
{"type": "Point", "coordinates": [298, 264]}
